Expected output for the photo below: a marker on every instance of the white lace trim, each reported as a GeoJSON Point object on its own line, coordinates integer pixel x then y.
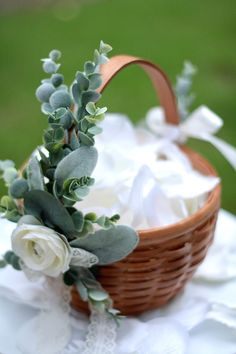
{"type": "Point", "coordinates": [83, 258]}
{"type": "Point", "coordinates": [101, 337]}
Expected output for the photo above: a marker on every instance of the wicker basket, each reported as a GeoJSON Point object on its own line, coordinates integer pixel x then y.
{"type": "Point", "coordinates": [166, 257]}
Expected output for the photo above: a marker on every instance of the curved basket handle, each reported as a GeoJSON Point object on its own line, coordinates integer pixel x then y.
{"type": "Point", "coordinates": [160, 82]}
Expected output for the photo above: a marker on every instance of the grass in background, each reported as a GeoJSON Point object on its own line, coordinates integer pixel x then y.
{"type": "Point", "coordinates": [166, 32]}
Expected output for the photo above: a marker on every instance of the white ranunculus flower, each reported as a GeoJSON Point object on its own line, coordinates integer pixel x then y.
{"type": "Point", "coordinates": [42, 249]}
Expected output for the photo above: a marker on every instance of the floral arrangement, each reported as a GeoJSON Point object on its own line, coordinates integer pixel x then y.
{"type": "Point", "coordinates": [52, 237]}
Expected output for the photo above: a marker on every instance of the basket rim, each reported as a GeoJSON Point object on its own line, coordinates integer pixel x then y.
{"type": "Point", "coordinates": [191, 222]}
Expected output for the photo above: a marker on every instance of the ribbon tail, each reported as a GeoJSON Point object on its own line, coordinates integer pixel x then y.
{"type": "Point", "coordinates": [101, 337]}
{"type": "Point", "coordinates": [227, 150]}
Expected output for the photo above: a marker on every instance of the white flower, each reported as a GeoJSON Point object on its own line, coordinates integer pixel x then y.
{"type": "Point", "coordinates": [42, 249]}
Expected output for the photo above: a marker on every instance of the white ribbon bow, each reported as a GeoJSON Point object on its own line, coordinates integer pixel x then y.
{"type": "Point", "coordinates": [201, 124]}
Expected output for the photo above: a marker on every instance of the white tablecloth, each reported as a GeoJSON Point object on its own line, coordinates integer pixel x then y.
{"type": "Point", "coordinates": [215, 282]}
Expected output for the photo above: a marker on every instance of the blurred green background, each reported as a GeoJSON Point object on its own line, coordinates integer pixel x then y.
{"type": "Point", "coordinates": [165, 31]}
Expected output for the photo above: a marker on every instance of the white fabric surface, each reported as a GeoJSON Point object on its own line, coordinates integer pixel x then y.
{"type": "Point", "coordinates": [202, 320]}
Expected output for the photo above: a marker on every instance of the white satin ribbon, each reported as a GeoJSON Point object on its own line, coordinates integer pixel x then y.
{"type": "Point", "coordinates": [201, 124]}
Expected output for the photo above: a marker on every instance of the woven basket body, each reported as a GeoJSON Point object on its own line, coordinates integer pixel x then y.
{"type": "Point", "coordinates": [167, 257]}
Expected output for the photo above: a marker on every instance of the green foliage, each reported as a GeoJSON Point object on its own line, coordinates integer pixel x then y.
{"type": "Point", "coordinates": [46, 108]}
{"type": "Point", "coordinates": [78, 220]}
{"type": "Point", "coordinates": [3, 263]}
{"type": "Point", "coordinates": [66, 118]}
{"type": "Point", "coordinates": [49, 66]}
{"type": "Point", "coordinates": [106, 222]}
{"type": "Point", "coordinates": [9, 175]}
{"type": "Point", "coordinates": [70, 277]}
{"type": "Point", "coordinates": [54, 138]}
{"type": "Point", "coordinates": [29, 220]}
{"type": "Point", "coordinates": [74, 140]}
{"type": "Point", "coordinates": [60, 99]}
{"type": "Point", "coordinates": [44, 92]}
{"type": "Point", "coordinates": [77, 164]}
{"type": "Point", "coordinates": [109, 245]}
{"type": "Point", "coordinates": [34, 174]}
{"type": "Point", "coordinates": [94, 130]}
{"type": "Point", "coordinates": [12, 259]}
{"type": "Point", "coordinates": [57, 79]}
{"type": "Point", "coordinates": [91, 216]}
{"type": "Point", "coordinates": [105, 48]}
{"type": "Point", "coordinates": [86, 139]}
{"type": "Point", "coordinates": [91, 290]}
{"type": "Point", "coordinates": [183, 89]}
{"type": "Point", "coordinates": [55, 54]}
{"type": "Point", "coordinates": [4, 164]}
{"type": "Point", "coordinates": [96, 114]}
{"type": "Point", "coordinates": [75, 189]}
{"type": "Point", "coordinates": [62, 177]}
{"type": "Point", "coordinates": [9, 209]}
{"type": "Point", "coordinates": [18, 188]}
{"type": "Point", "coordinates": [47, 208]}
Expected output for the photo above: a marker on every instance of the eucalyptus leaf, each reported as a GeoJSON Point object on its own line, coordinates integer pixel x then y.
{"type": "Point", "coordinates": [95, 130]}
{"type": "Point", "coordinates": [98, 295]}
{"type": "Point", "coordinates": [77, 164]}
{"type": "Point", "coordinates": [91, 108]}
{"type": "Point", "coordinates": [76, 92]}
{"type": "Point", "coordinates": [29, 220]}
{"type": "Point", "coordinates": [78, 220]}
{"type": "Point", "coordinates": [7, 203]}
{"type": "Point", "coordinates": [34, 174]}
{"type": "Point", "coordinates": [9, 175]}
{"type": "Point", "coordinates": [66, 119]}
{"type": "Point", "coordinates": [85, 139]}
{"type": "Point", "coordinates": [96, 57]}
{"type": "Point", "coordinates": [105, 48]}
{"type": "Point", "coordinates": [70, 277]}
{"type": "Point", "coordinates": [95, 81]}
{"type": "Point", "coordinates": [55, 54]}
{"type": "Point", "coordinates": [44, 92]}
{"type": "Point", "coordinates": [82, 81]}
{"type": "Point", "coordinates": [59, 99]}
{"type": "Point", "coordinates": [82, 290]}
{"type": "Point", "coordinates": [18, 188]}
{"type": "Point", "coordinates": [50, 66]}
{"type": "Point", "coordinates": [57, 79]}
{"type": "Point", "coordinates": [91, 216]}
{"type": "Point", "coordinates": [59, 134]}
{"type": "Point", "coordinates": [89, 67]}
{"type": "Point", "coordinates": [90, 96]}
{"type": "Point", "coordinates": [12, 215]}
{"type": "Point", "coordinates": [74, 141]}
{"type": "Point", "coordinates": [103, 59]}
{"type": "Point", "coordinates": [95, 119]}
{"type": "Point", "coordinates": [84, 125]}
{"type": "Point", "coordinates": [47, 208]}
{"type": "Point", "coordinates": [46, 108]}
{"type": "Point", "coordinates": [4, 164]}
{"type": "Point", "coordinates": [109, 245]}
{"type": "Point", "coordinates": [3, 263]}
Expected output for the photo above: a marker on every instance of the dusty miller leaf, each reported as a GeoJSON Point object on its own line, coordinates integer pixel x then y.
{"type": "Point", "coordinates": [109, 245]}
{"type": "Point", "coordinates": [35, 175]}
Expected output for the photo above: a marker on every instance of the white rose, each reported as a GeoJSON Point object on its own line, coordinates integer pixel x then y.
{"type": "Point", "coordinates": [42, 249]}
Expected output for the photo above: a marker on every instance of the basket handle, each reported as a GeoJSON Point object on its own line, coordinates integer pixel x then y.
{"type": "Point", "coordinates": [160, 82]}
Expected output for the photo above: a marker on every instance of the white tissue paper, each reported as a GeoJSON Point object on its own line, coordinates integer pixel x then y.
{"type": "Point", "coordinates": [147, 179]}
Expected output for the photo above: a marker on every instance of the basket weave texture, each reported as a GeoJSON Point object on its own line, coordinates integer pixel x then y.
{"type": "Point", "coordinates": [166, 257]}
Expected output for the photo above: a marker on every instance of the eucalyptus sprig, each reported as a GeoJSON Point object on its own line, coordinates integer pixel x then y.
{"type": "Point", "coordinates": [183, 89]}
